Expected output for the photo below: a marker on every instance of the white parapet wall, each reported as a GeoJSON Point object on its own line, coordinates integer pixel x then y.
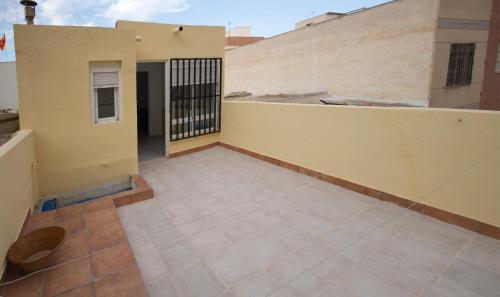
{"type": "Point", "coordinates": [8, 85]}
{"type": "Point", "coordinates": [380, 53]}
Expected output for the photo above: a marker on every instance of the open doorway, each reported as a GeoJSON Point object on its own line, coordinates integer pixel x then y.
{"type": "Point", "coordinates": [151, 110]}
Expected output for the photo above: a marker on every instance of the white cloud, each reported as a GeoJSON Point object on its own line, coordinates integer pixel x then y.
{"type": "Point", "coordinates": [95, 12]}
{"type": "Point", "coordinates": [143, 10]}
{"type": "Point", "coordinates": [56, 12]}
{"type": "Point", "coordinates": [87, 24]}
{"type": "Point", "coordinates": [11, 12]}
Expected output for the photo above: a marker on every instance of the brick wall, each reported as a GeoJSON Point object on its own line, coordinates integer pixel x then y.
{"type": "Point", "coordinates": [490, 95]}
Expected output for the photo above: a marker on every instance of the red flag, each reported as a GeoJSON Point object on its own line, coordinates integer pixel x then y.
{"type": "Point", "coordinates": [2, 42]}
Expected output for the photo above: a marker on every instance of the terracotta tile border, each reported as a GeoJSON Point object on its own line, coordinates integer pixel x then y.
{"type": "Point", "coordinates": [142, 192]}
{"type": "Point", "coordinates": [193, 150]}
{"type": "Point", "coordinates": [105, 236]}
{"type": "Point", "coordinates": [442, 215]}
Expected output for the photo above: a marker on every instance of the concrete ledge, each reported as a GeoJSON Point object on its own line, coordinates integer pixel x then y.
{"type": "Point", "coordinates": [141, 192]}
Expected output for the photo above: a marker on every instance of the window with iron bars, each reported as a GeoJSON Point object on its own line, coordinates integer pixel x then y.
{"type": "Point", "coordinates": [460, 64]}
{"type": "Point", "coordinates": [195, 96]}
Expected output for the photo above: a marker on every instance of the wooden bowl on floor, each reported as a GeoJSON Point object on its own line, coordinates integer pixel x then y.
{"type": "Point", "coordinates": [35, 250]}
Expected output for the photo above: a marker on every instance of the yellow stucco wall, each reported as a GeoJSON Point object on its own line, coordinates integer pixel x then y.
{"type": "Point", "coordinates": [381, 53]}
{"type": "Point", "coordinates": [465, 96]}
{"type": "Point", "coordinates": [17, 187]}
{"type": "Point", "coordinates": [445, 158]}
{"type": "Point", "coordinates": [159, 42]}
{"type": "Point", "coordinates": [53, 65]}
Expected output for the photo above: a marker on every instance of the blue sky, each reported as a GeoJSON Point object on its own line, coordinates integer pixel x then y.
{"type": "Point", "coordinates": [267, 17]}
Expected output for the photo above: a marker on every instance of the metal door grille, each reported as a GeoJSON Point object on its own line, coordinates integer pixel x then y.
{"type": "Point", "coordinates": [195, 96]}
{"type": "Point", "coordinates": [461, 64]}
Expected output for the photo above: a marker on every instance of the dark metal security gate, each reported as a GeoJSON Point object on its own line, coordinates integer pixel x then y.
{"type": "Point", "coordinates": [195, 97]}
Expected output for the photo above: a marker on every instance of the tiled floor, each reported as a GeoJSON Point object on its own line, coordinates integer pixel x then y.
{"type": "Point", "coordinates": [224, 224]}
{"type": "Point", "coordinates": [95, 260]}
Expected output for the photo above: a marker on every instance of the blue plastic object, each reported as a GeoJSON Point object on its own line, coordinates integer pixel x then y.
{"type": "Point", "coordinates": [49, 205]}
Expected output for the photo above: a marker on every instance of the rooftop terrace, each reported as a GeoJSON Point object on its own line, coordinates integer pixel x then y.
{"type": "Point", "coordinates": [225, 224]}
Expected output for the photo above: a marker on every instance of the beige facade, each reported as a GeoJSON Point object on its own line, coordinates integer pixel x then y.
{"type": "Point", "coordinates": [161, 42]}
{"type": "Point", "coordinates": [317, 19]}
{"type": "Point", "coordinates": [55, 102]}
{"type": "Point", "coordinates": [62, 147]}
{"type": "Point", "coordinates": [476, 13]}
{"type": "Point", "coordinates": [56, 97]}
{"type": "Point", "coordinates": [383, 53]}
{"type": "Point", "coordinates": [395, 52]}
{"type": "Point", "coordinates": [242, 31]}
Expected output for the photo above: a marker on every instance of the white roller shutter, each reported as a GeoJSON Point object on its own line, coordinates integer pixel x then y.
{"type": "Point", "coordinates": [106, 79]}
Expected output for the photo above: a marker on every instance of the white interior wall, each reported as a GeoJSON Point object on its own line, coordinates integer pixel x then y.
{"type": "Point", "coordinates": [156, 96]}
{"type": "Point", "coordinates": [8, 85]}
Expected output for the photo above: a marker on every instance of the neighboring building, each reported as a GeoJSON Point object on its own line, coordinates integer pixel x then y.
{"type": "Point", "coordinates": [8, 85]}
{"type": "Point", "coordinates": [237, 41]}
{"type": "Point", "coordinates": [318, 19]}
{"type": "Point", "coordinates": [240, 36]}
{"type": "Point", "coordinates": [425, 53]}
{"type": "Point", "coordinates": [490, 95]}
{"type": "Point", "coordinates": [77, 92]}
{"type": "Point", "coordinates": [94, 100]}
{"type": "Point", "coordinates": [241, 31]}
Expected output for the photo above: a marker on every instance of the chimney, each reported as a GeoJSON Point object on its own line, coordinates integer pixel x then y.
{"type": "Point", "coordinates": [29, 11]}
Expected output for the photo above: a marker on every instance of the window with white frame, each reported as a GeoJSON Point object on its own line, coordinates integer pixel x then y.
{"type": "Point", "coordinates": [497, 68]}
{"type": "Point", "coordinates": [105, 83]}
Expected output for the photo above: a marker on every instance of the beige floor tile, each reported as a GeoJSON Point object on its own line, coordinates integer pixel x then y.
{"type": "Point", "coordinates": [285, 269]}
{"type": "Point", "coordinates": [163, 287]}
{"type": "Point", "coordinates": [147, 257]}
{"type": "Point", "coordinates": [180, 256]}
{"type": "Point", "coordinates": [209, 242]}
{"type": "Point", "coordinates": [307, 284]}
{"type": "Point", "coordinates": [254, 285]}
{"type": "Point", "coordinates": [312, 254]}
{"type": "Point", "coordinates": [361, 283]}
{"type": "Point", "coordinates": [410, 265]}
{"type": "Point", "coordinates": [230, 266]}
{"type": "Point", "coordinates": [198, 280]}
{"type": "Point", "coordinates": [463, 279]}
{"type": "Point", "coordinates": [334, 266]}
{"type": "Point", "coordinates": [259, 251]}
{"type": "Point", "coordinates": [484, 255]}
